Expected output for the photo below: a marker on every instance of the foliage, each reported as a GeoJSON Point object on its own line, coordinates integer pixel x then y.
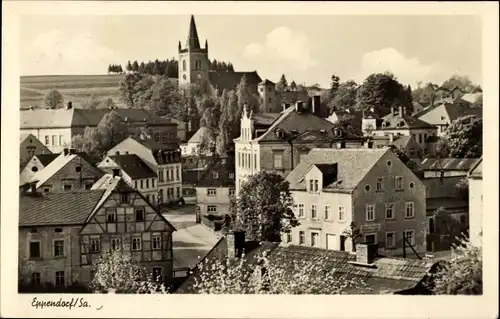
{"type": "Point", "coordinates": [334, 86]}
{"type": "Point", "coordinates": [88, 142]}
{"type": "Point", "coordinates": [381, 91]}
{"type": "Point", "coordinates": [478, 102]}
{"type": "Point", "coordinates": [463, 82]}
{"type": "Point", "coordinates": [447, 225]}
{"type": "Point", "coordinates": [462, 274]}
{"type": "Point", "coordinates": [464, 137]}
{"type": "Point", "coordinates": [272, 276]}
{"type": "Point", "coordinates": [293, 86]}
{"type": "Point", "coordinates": [215, 65]}
{"type": "Point", "coordinates": [118, 272]}
{"type": "Point", "coordinates": [353, 233]}
{"type": "Point", "coordinates": [425, 94]}
{"type": "Point", "coordinates": [345, 97]}
{"type": "Point", "coordinates": [111, 130]}
{"type": "Point", "coordinates": [463, 188]}
{"type": "Point", "coordinates": [246, 96]}
{"type": "Point", "coordinates": [345, 124]}
{"type": "Point", "coordinates": [128, 89]}
{"type": "Point", "coordinates": [405, 158]}
{"type": "Point", "coordinates": [282, 84]}
{"type": "Point", "coordinates": [264, 207]}
{"type": "Point", "coordinates": [115, 68]}
{"type": "Point", "coordinates": [224, 137]}
{"type": "Point", "coordinates": [91, 103]}
{"type": "Point", "coordinates": [54, 100]}
{"type": "Point", "coordinates": [165, 97]}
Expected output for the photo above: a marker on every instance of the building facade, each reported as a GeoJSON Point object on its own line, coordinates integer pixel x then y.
{"type": "Point", "coordinates": [29, 146]}
{"type": "Point", "coordinates": [268, 99]}
{"type": "Point", "coordinates": [476, 203]}
{"type": "Point", "coordinates": [35, 164]}
{"type": "Point", "coordinates": [372, 188]}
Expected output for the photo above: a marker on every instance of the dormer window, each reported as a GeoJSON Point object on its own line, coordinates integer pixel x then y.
{"type": "Point", "coordinates": [280, 134]}
{"type": "Point", "coordinates": [313, 185]}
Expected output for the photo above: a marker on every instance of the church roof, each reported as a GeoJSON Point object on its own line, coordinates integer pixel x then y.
{"type": "Point", "coordinates": [192, 42]}
{"type": "Point", "coordinates": [224, 80]}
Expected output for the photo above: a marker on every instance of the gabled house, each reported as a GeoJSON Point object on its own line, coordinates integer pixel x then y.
{"type": "Point", "coordinates": [29, 145]}
{"type": "Point", "coordinates": [35, 164]}
{"type": "Point", "coordinates": [70, 171]}
{"type": "Point", "coordinates": [195, 143]}
{"type": "Point", "coordinates": [403, 142]}
{"type": "Point", "coordinates": [62, 235]}
{"type": "Point", "coordinates": [380, 274]}
{"type": "Point", "coordinates": [476, 202]}
{"type": "Point", "coordinates": [372, 188]}
{"type": "Point", "coordinates": [164, 159]}
{"type": "Point", "coordinates": [442, 115]}
{"type": "Point", "coordinates": [216, 187]}
{"type": "Point", "coordinates": [135, 172]}
{"type": "Point", "coordinates": [278, 142]}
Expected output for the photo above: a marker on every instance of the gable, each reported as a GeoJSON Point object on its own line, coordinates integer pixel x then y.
{"type": "Point", "coordinates": [436, 116]}
{"type": "Point", "coordinates": [76, 168]}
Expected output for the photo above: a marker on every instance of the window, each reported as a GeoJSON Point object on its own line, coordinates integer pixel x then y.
{"type": "Point", "coordinates": [46, 189]}
{"type": "Point", "coordinates": [370, 213]}
{"type": "Point", "coordinates": [231, 192]}
{"type": "Point", "coordinates": [157, 274]}
{"type": "Point", "coordinates": [278, 160]}
{"type": "Point", "coordinates": [160, 177]}
{"type": "Point", "coordinates": [314, 239]}
{"type": "Point", "coordinates": [231, 175]}
{"type": "Point", "coordinates": [35, 249]}
{"type": "Point", "coordinates": [302, 238]}
{"type": "Point", "coordinates": [389, 211]}
{"type": "Point", "coordinates": [239, 159]}
{"type": "Point", "coordinates": [311, 184]}
{"type": "Point", "coordinates": [412, 184]}
{"type": "Point", "coordinates": [301, 210]}
{"type": "Point", "coordinates": [371, 238]}
{"type": "Point", "coordinates": [316, 185]}
{"type": "Point", "coordinates": [183, 65]}
{"type": "Point", "coordinates": [389, 163]}
{"type": "Point", "coordinates": [67, 187]}
{"type": "Point", "coordinates": [390, 240]}
{"type": "Point", "coordinates": [115, 243]}
{"type": "Point", "coordinates": [58, 230]}
{"type": "Point", "coordinates": [147, 182]}
{"type": "Point", "coordinates": [124, 198]}
{"type": "Point", "coordinates": [153, 182]}
{"type": "Point", "coordinates": [156, 242]}
{"type": "Point", "coordinates": [179, 192]}
{"type": "Point", "coordinates": [47, 140]}
{"type": "Point", "coordinates": [136, 243]}
{"type": "Point", "coordinates": [211, 192]}
{"type": "Point", "coordinates": [380, 184]}
{"type": "Point", "coordinates": [111, 216]}
{"type": "Point", "coordinates": [54, 139]}
{"type": "Point", "coordinates": [367, 188]}
{"type": "Point", "coordinates": [420, 138]}
{"type": "Point", "coordinates": [177, 173]}
{"type": "Point", "coordinates": [341, 213]}
{"type": "Point", "coordinates": [139, 215]}
{"type": "Point", "coordinates": [58, 248]}
{"type": "Point", "coordinates": [211, 209]}
{"type": "Point", "coordinates": [314, 211]}
{"type": "Point", "coordinates": [95, 245]}
{"type": "Point", "coordinates": [216, 175]}
{"type": "Point", "coordinates": [59, 278]}
{"type": "Point", "coordinates": [410, 211]}
{"type": "Point", "coordinates": [327, 212]}
{"type": "Point", "coordinates": [255, 161]}
{"type": "Point", "coordinates": [61, 140]}
{"type": "Point", "coordinates": [35, 278]}
{"type": "Point", "coordinates": [399, 183]}
{"type": "Point", "coordinates": [410, 237]}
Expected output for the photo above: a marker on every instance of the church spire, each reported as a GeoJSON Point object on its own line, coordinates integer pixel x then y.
{"type": "Point", "coordinates": [192, 40]}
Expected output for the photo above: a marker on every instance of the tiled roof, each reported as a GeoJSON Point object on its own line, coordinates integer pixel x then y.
{"type": "Point", "coordinates": [352, 166]}
{"type": "Point", "coordinates": [477, 169]}
{"type": "Point", "coordinates": [154, 145]}
{"type": "Point", "coordinates": [67, 208]}
{"type": "Point", "coordinates": [388, 274]}
{"type": "Point", "coordinates": [200, 135]}
{"type": "Point", "coordinates": [43, 118]}
{"type": "Point", "coordinates": [471, 97]}
{"type": "Point", "coordinates": [218, 173]}
{"type": "Point", "coordinates": [224, 80]}
{"type": "Point", "coordinates": [453, 111]}
{"type": "Point", "coordinates": [395, 121]}
{"type": "Point", "coordinates": [265, 119]}
{"type": "Point", "coordinates": [133, 166]}
{"type": "Point", "coordinates": [266, 82]}
{"type": "Point", "coordinates": [448, 164]}
{"type": "Point", "coordinates": [46, 159]}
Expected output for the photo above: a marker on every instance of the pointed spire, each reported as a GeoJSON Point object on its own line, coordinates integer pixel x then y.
{"type": "Point", "coordinates": [179, 46]}
{"type": "Point", "coordinates": [206, 44]}
{"type": "Point", "coordinates": [192, 40]}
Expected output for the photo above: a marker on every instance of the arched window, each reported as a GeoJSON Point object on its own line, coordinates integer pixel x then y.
{"type": "Point", "coordinates": [184, 65]}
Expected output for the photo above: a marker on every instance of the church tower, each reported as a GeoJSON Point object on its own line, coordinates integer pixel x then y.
{"type": "Point", "coordinates": [193, 60]}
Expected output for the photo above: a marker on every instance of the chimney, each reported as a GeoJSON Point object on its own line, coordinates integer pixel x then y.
{"type": "Point", "coordinates": [392, 111]}
{"type": "Point", "coordinates": [235, 241]}
{"type": "Point", "coordinates": [66, 151]}
{"type": "Point", "coordinates": [366, 253]}
{"type": "Point", "coordinates": [69, 106]}
{"type": "Point", "coordinates": [299, 106]}
{"type": "Point", "coordinates": [401, 111]}
{"type": "Point", "coordinates": [116, 172]}
{"type": "Point", "coordinates": [316, 104]}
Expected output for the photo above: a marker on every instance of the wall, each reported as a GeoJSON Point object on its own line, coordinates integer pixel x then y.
{"type": "Point", "coordinates": [47, 265]}
{"type": "Point", "coordinates": [416, 133]}
{"type": "Point", "coordinates": [64, 133]}
{"type": "Point", "coordinates": [381, 225]}
{"type": "Point", "coordinates": [475, 210]}
{"type": "Point", "coordinates": [190, 74]}
{"type": "Point", "coordinates": [221, 200]}
{"type": "Point", "coordinates": [441, 187]}
{"type": "Point", "coordinates": [29, 147]}
{"type": "Point", "coordinates": [68, 175]}
{"type": "Point", "coordinates": [27, 172]}
{"type": "Point", "coordinates": [174, 183]}
{"type": "Point", "coordinates": [447, 173]}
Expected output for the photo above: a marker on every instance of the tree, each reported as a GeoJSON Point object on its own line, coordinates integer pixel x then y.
{"type": "Point", "coordinates": [334, 86]}
{"type": "Point", "coordinates": [54, 100]}
{"type": "Point", "coordinates": [223, 138]}
{"type": "Point", "coordinates": [346, 126]}
{"type": "Point", "coordinates": [129, 66]}
{"type": "Point", "coordinates": [462, 274]}
{"type": "Point", "coordinates": [118, 272]}
{"type": "Point", "coordinates": [135, 66]}
{"type": "Point", "coordinates": [464, 137]}
{"type": "Point", "coordinates": [128, 88]}
{"type": "Point", "coordinates": [88, 142]}
{"type": "Point", "coordinates": [272, 275]}
{"type": "Point", "coordinates": [91, 103]}
{"type": "Point", "coordinates": [246, 96]}
{"type": "Point", "coordinates": [264, 207]}
{"type": "Point", "coordinates": [282, 84]}
{"type": "Point", "coordinates": [405, 158]}
{"type": "Point", "coordinates": [111, 130]}
{"type": "Point", "coordinates": [108, 103]}
{"type": "Point", "coordinates": [345, 97]}
{"type": "Point", "coordinates": [463, 82]}
{"type": "Point", "coordinates": [353, 233]}
{"type": "Point", "coordinates": [165, 97]}
{"type": "Point", "coordinates": [462, 187]}
{"type": "Point", "coordinates": [381, 91]}
{"type": "Point", "coordinates": [293, 86]}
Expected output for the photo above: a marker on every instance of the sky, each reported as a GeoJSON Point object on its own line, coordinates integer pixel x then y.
{"type": "Point", "coordinates": [307, 49]}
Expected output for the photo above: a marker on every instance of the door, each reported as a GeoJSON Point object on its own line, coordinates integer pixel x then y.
{"type": "Point", "coordinates": [342, 243]}
{"type": "Point", "coordinates": [331, 242]}
{"type": "Point", "coordinates": [370, 239]}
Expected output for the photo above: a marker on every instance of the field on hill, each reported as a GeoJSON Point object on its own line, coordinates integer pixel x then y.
{"type": "Point", "coordinates": [74, 88]}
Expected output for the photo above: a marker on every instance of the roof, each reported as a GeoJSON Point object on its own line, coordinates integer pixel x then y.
{"type": "Point", "coordinates": [68, 208]}
{"type": "Point", "coordinates": [226, 80]}
{"type": "Point", "coordinates": [388, 275]}
{"type": "Point", "coordinates": [266, 82]}
{"type": "Point", "coordinates": [291, 97]}
{"type": "Point", "coordinates": [200, 135]}
{"type": "Point", "coordinates": [265, 119]}
{"type": "Point", "coordinates": [434, 203]}
{"type": "Point", "coordinates": [452, 110]}
{"type": "Point", "coordinates": [133, 166]}
{"type": "Point", "coordinates": [192, 41]}
{"type": "Point", "coordinates": [472, 97]}
{"type": "Point", "coordinates": [49, 118]}
{"type": "Point", "coordinates": [46, 159]}
{"type": "Point", "coordinates": [218, 173]}
{"type": "Point", "coordinates": [352, 166]}
{"type": "Point", "coordinates": [154, 145]}
{"type": "Point", "coordinates": [477, 169]}
{"type": "Point", "coordinates": [448, 164]}
{"type": "Point", "coordinates": [405, 121]}
{"type": "Point", "coordinates": [23, 137]}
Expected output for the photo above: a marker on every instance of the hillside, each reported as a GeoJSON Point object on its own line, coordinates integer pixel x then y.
{"type": "Point", "coordinates": [74, 88]}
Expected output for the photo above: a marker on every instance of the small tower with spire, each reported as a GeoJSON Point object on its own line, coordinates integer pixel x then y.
{"type": "Point", "coordinates": [193, 59]}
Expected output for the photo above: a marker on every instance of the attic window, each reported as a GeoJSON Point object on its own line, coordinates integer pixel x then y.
{"type": "Point", "coordinates": [442, 117]}
{"type": "Point", "coordinates": [389, 163]}
{"type": "Point", "coordinates": [34, 169]}
{"type": "Point", "coordinates": [384, 125]}
{"type": "Point", "coordinates": [367, 188]}
{"type": "Point", "coordinates": [412, 184]}
{"type": "Point", "coordinates": [401, 123]}
{"type": "Point", "coordinates": [78, 169]}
